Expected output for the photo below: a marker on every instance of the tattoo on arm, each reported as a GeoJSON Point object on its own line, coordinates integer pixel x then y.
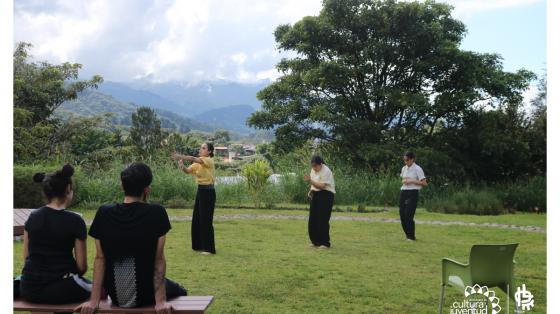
{"type": "Point", "coordinates": [159, 278]}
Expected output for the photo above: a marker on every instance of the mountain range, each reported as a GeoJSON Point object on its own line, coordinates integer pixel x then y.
{"type": "Point", "coordinates": [205, 106]}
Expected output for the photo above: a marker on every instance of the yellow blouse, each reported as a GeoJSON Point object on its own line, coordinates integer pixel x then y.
{"type": "Point", "coordinates": [204, 172]}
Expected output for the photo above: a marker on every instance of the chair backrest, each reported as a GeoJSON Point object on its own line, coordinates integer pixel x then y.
{"type": "Point", "coordinates": [492, 264]}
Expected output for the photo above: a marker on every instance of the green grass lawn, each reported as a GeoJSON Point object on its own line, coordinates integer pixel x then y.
{"type": "Point", "coordinates": [266, 265]}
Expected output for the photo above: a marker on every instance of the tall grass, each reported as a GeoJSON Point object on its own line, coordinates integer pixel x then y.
{"type": "Point", "coordinates": [172, 188]}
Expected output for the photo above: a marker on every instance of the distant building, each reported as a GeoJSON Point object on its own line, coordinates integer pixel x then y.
{"type": "Point", "coordinates": [222, 153]}
{"type": "Point", "coordinates": [249, 150]}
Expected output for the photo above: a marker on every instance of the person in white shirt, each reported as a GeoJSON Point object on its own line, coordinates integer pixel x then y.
{"type": "Point", "coordinates": [413, 179]}
{"type": "Point", "coordinates": [321, 192]}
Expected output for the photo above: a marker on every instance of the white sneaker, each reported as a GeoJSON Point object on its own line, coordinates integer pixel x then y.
{"type": "Point", "coordinates": [323, 247]}
{"type": "Point", "coordinates": [205, 253]}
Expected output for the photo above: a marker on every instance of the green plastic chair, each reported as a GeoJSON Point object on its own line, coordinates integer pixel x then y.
{"type": "Point", "coordinates": [489, 265]}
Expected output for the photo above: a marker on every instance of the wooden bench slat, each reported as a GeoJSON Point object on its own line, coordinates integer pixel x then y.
{"type": "Point", "coordinates": [20, 217]}
{"type": "Point", "coordinates": [188, 304]}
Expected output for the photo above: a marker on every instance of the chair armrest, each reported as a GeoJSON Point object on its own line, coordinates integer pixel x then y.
{"type": "Point", "coordinates": [450, 261]}
{"type": "Point", "coordinates": [450, 267]}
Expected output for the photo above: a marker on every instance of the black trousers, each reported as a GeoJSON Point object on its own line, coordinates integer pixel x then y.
{"type": "Point", "coordinates": [319, 216]}
{"type": "Point", "coordinates": [173, 289]}
{"type": "Point", "coordinates": [71, 289]}
{"type": "Point", "coordinates": [202, 230]}
{"type": "Point", "coordinates": [407, 209]}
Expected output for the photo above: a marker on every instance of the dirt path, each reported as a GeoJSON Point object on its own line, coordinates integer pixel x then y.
{"type": "Point", "coordinates": [369, 219]}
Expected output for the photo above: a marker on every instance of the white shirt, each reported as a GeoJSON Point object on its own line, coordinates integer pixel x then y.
{"type": "Point", "coordinates": [323, 176]}
{"type": "Point", "coordinates": [414, 172]}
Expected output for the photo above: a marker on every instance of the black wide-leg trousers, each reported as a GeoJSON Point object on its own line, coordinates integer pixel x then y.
{"type": "Point", "coordinates": [202, 230]}
{"type": "Point", "coordinates": [319, 216]}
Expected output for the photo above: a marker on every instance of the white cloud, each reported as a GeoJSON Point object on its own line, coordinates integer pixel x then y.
{"type": "Point", "coordinates": [271, 74]}
{"type": "Point", "coordinates": [239, 58]}
{"type": "Point", "coordinates": [159, 39]}
{"type": "Point", "coordinates": [167, 40]}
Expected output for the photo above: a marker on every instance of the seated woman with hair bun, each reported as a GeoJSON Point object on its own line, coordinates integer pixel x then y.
{"type": "Point", "coordinates": [54, 243]}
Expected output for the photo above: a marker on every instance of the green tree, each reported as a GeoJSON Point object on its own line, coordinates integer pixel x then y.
{"type": "Point", "coordinates": [537, 129]}
{"type": "Point", "coordinates": [146, 133]}
{"type": "Point", "coordinates": [490, 145]}
{"type": "Point", "coordinates": [221, 137]}
{"type": "Point", "coordinates": [184, 144]}
{"type": "Point", "coordinates": [41, 87]}
{"type": "Point", "coordinates": [30, 139]}
{"type": "Point", "coordinates": [368, 74]}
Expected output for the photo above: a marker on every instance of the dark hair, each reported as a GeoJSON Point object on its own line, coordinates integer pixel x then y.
{"type": "Point", "coordinates": [316, 159]}
{"type": "Point", "coordinates": [55, 183]}
{"type": "Point", "coordinates": [135, 178]}
{"type": "Point", "coordinates": [409, 155]}
{"type": "Point", "coordinates": [210, 148]}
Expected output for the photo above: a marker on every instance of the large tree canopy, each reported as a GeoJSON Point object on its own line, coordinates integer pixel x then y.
{"type": "Point", "coordinates": [366, 73]}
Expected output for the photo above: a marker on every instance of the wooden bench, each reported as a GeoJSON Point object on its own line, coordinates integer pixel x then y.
{"type": "Point", "coordinates": [181, 305]}
{"type": "Point", "coordinates": [20, 217]}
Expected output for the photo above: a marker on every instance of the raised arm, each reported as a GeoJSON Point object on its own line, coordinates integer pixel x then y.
{"type": "Point", "coordinates": [89, 307]}
{"type": "Point", "coordinates": [183, 168]}
{"type": "Point", "coordinates": [177, 156]}
{"type": "Point", "coordinates": [162, 307]}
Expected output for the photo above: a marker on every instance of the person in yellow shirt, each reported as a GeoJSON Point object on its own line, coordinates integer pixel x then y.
{"type": "Point", "coordinates": [321, 192]}
{"type": "Point", "coordinates": [202, 167]}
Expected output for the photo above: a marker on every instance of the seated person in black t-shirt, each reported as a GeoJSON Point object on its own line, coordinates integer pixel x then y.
{"type": "Point", "coordinates": [52, 273]}
{"type": "Point", "coordinates": [130, 240]}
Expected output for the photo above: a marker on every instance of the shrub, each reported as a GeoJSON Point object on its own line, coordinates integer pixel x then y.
{"type": "Point", "coordinates": [294, 188]}
{"type": "Point", "coordinates": [467, 202]}
{"type": "Point", "coordinates": [28, 194]}
{"type": "Point", "coordinates": [256, 175]}
{"type": "Point", "coordinates": [525, 195]}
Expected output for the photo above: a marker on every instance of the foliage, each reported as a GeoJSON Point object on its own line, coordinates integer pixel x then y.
{"type": "Point", "coordinates": [537, 128]}
{"type": "Point", "coordinates": [525, 195]}
{"type": "Point", "coordinates": [29, 138]}
{"type": "Point", "coordinates": [372, 78]}
{"type": "Point", "coordinates": [221, 137]}
{"type": "Point", "coordinates": [27, 193]}
{"type": "Point", "coordinates": [146, 133]}
{"type": "Point", "coordinates": [256, 175]}
{"type": "Point", "coordinates": [184, 144]}
{"type": "Point", "coordinates": [42, 87]}
{"type": "Point", "coordinates": [468, 202]}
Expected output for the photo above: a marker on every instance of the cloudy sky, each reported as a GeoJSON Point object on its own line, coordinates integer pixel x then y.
{"type": "Point", "coordinates": [188, 40]}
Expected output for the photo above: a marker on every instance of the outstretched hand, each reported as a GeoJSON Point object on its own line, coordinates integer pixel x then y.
{"type": "Point", "coordinates": [175, 156]}
{"type": "Point", "coordinates": [306, 178]}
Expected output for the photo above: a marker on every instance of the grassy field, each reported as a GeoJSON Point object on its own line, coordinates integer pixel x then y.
{"type": "Point", "coordinates": [266, 266]}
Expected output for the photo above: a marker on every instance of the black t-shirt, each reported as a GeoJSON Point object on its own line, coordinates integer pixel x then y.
{"type": "Point", "coordinates": [128, 234]}
{"type": "Point", "coordinates": [51, 234]}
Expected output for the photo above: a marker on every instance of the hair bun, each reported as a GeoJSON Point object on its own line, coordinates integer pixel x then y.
{"type": "Point", "coordinates": [39, 177]}
{"type": "Point", "coordinates": [67, 171]}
